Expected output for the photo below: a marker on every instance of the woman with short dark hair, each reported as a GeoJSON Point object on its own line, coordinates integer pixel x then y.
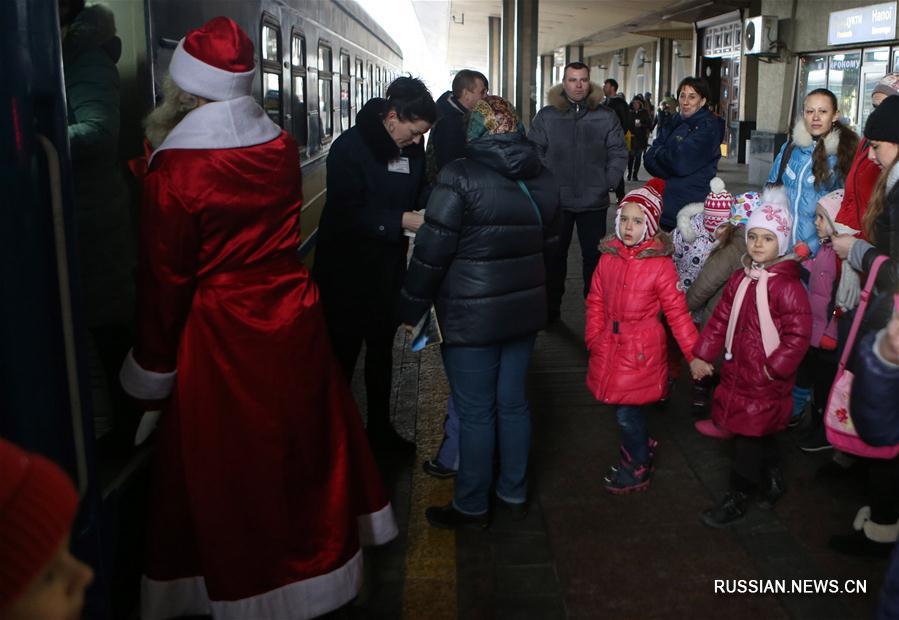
{"type": "Point", "coordinates": [375, 177]}
{"type": "Point", "coordinates": [686, 151]}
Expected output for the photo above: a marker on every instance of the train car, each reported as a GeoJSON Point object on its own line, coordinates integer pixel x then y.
{"type": "Point", "coordinates": [318, 63]}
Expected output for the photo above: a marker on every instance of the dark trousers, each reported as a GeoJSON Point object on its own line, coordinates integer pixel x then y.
{"type": "Point", "coordinates": [591, 227]}
{"type": "Point", "coordinates": [634, 159]}
{"type": "Point", "coordinates": [346, 341]}
{"type": "Point", "coordinates": [753, 457]}
{"type": "Point", "coordinates": [817, 372]}
{"type": "Point", "coordinates": [883, 490]}
{"type": "Point", "coordinates": [619, 190]}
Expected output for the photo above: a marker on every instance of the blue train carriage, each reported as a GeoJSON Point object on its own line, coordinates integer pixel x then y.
{"type": "Point", "coordinates": [319, 61]}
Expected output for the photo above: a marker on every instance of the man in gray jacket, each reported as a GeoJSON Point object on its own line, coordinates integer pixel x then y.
{"type": "Point", "coordinates": [582, 143]}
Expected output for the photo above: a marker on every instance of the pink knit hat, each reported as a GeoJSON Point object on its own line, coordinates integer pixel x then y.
{"type": "Point", "coordinates": [831, 204]}
{"type": "Point", "coordinates": [773, 214]}
{"type": "Point", "coordinates": [717, 206]}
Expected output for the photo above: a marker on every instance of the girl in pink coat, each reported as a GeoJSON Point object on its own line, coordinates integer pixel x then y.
{"type": "Point", "coordinates": [634, 281]}
{"type": "Point", "coordinates": [763, 322]}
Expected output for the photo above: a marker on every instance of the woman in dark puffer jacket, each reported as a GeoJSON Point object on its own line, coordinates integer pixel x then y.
{"type": "Point", "coordinates": [480, 260]}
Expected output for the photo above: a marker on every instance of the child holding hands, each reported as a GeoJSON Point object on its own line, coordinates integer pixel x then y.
{"type": "Point", "coordinates": [763, 322]}
{"type": "Point", "coordinates": [634, 281]}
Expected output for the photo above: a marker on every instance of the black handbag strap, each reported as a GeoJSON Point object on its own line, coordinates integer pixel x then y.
{"type": "Point", "coordinates": [783, 162]}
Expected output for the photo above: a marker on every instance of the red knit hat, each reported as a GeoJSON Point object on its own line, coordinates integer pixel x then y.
{"type": "Point", "coordinates": [649, 199]}
{"type": "Point", "coordinates": [717, 206]}
{"type": "Point", "coordinates": [37, 506]}
{"type": "Point", "coordinates": [215, 61]}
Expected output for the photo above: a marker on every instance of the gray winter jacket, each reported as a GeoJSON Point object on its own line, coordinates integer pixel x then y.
{"type": "Point", "coordinates": [583, 145]}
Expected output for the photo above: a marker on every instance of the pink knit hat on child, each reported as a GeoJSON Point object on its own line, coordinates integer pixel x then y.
{"type": "Point", "coordinates": [773, 214]}
{"type": "Point", "coordinates": [718, 202]}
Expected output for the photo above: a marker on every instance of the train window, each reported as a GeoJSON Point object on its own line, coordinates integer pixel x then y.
{"type": "Point", "coordinates": [325, 96]}
{"type": "Point", "coordinates": [360, 84]}
{"type": "Point", "coordinates": [379, 82]}
{"type": "Point", "coordinates": [298, 95]}
{"type": "Point", "coordinates": [271, 70]}
{"type": "Point", "coordinates": [344, 91]}
{"type": "Point", "coordinates": [371, 82]}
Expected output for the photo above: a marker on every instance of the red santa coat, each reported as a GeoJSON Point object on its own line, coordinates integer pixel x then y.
{"type": "Point", "coordinates": [265, 483]}
{"type": "Point", "coordinates": [631, 287]}
{"type": "Point", "coordinates": [754, 396]}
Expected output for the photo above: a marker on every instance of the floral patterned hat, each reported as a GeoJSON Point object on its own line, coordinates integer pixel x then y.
{"type": "Point", "coordinates": [491, 116]}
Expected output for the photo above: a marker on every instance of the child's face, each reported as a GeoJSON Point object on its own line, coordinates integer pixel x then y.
{"type": "Point", "coordinates": [761, 244]}
{"type": "Point", "coordinates": [57, 593]}
{"type": "Point", "coordinates": [631, 224]}
{"type": "Point", "coordinates": [822, 223]}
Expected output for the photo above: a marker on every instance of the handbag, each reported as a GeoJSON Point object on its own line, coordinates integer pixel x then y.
{"type": "Point", "coordinates": [838, 424]}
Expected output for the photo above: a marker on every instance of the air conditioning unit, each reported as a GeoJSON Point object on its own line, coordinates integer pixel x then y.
{"type": "Point", "coordinates": [760, 35]}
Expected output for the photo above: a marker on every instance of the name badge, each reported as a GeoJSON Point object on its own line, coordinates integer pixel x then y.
{"type": "Point", "coordinates": [400, 164]}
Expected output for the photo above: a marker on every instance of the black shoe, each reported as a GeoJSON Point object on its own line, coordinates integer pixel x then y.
{"type": "Point", "coordinates": [859, 545]}
{"type": "Point", "coordinates": [433, 468]}
{"type": "Point", "coordinates": [773, 487]}
{"type": "Point", "coordinates": [448, 518]}
{"type": "Point", "coordinates": [731, 508]}
{"type": "Point", "coordinates": [814, 439]}
{"type": "Point", "coordinates": [388, 442]}
{"type": "Point", "coordinates": [517, 511]}
{"type": "Point", "coordinates": [635, 178]}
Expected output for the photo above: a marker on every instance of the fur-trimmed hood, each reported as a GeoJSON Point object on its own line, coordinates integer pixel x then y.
{"type": "Point", "coordinates": [684, 220]}
{"type": "Point", "coordinates": [93, 27]}
{"type": "Point", "coordinates": [375, 136]}
{"type": "Point", "coordinates": [804, 139]}
{"type": "Point", "coordinates": [659, 245]}
{"type": "Point", "coordinates": [556, 97]}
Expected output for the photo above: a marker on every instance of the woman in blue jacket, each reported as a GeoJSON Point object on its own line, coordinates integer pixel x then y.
{"type": "Point", "coordinates": [820, 155]}
{"type": "Point", "coordinates": [686, 151]}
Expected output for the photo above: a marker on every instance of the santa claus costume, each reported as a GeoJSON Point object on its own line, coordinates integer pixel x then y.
{"type": "Point", "coordinates": [265, 486]}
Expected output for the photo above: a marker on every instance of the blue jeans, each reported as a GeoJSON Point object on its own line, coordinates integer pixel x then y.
{"type": "Point", "coordinates": [448, 455]}
{"type": "Point", "coordinates": [488, 388]}
{"type": "Point", "coordinates": [634, 438]}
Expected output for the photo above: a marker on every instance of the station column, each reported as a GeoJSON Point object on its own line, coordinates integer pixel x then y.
{"type": "Point", "coordinates": [526, 59]}
{"type": "Point", "coordinates": [494, 53]}
{"type": "Point", "coordinates": [507, 91]}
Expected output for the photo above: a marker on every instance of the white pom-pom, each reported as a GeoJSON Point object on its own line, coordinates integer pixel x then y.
{"type": "Point", "coordinates": [728, 356]}
{"type": "Point", "coordinates": [717, 185]}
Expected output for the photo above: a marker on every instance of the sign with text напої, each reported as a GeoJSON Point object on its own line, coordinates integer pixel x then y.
{"type": "Point", "coordinates": [876, 22]}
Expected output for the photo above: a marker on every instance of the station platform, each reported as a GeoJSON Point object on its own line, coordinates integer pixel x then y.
{"type": "Point", "coordinates": [583, 553]}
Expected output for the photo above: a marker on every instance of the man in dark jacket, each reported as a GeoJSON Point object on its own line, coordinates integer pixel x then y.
{"type": "Point", "coordinates": [582, 143]}
{"type": "Point", "coordinates": [617, 103]}
{"type": "Point", "coordinates": [446, 141]}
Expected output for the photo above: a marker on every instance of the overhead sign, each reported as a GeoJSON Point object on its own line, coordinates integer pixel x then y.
{"type": "Point", "coordinates": [866, 23]}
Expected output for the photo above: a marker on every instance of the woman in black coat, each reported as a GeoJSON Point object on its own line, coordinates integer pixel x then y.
{"type": "Point", "coordinates": [375, 178]}
{"type": "Point", "coordinates": [480, 260]}
{"type": "Point", "coordinates": [639, 124]}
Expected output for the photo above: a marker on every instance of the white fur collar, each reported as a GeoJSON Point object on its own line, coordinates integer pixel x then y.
{"type": "Point", "coordinates": [803, 138]}
{"type": "Point", "coordinates": [893, 177]}
{"type": "Point", "coordinates": [683, 220]}
{"type": "Point", "coordinates": [227, 124]}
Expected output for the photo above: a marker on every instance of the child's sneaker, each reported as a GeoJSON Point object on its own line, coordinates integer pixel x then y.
{"type": "Point", "coordinates": [773, 487]}
{"type": "Point", "coordinates": [627, 478]}
{"type": "Point", "coordinates": [652, 443]}
{"type": "Point", "coordinates": [731, 508]}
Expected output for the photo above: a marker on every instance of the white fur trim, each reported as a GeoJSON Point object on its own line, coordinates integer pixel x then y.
{"type": "Point", "coordinates": [716, 185]}
{"type": "Point", "coordinates": [145, 384]}
{"type": "Point", "coordinates": [309, 598]}
{"type": "Point", "coordinates": [378, 527]}
{"type": "Point", "coordinates": [199, 78]}
{"type": "Point", "coordinates": [228, 124]}
{"type": "Point", "coordinates": [683, 220]}
{"type": "Point", "coordinates": [881, 533]}
{"type": "Point", "coordinates": [861, 517]}
{"type": "Point", "coordinates": [842, 229]}
{"type": "Point", "coordinates": [893, 177]}
{"type": "Point", "coordinates": [803, 138]}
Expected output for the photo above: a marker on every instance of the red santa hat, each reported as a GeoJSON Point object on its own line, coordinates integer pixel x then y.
{"type": "Point", "coordinates": [718, 203]}
{"type": "Point", "coordinates": [215, 61]}
{"type": "Point", "coordinates": [37, 506]}
{"type": "Point", "coordinates": [649, 199]}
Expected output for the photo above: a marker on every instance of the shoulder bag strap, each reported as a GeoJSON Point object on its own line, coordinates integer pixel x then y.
{"type": "Point", "coordinates": [527, 193]}
{"type": "Point", "coordinates": [860, 310]}
{"type": "Point", "coordinates": [783, 162]}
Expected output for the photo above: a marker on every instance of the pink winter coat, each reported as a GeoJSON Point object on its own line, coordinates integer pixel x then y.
{"type": "Point", "coordinates": [624, 332]}
{"type": "Point", "coordinates": [754, 396]}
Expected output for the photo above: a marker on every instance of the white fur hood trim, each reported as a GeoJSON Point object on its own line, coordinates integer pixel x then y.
{"type": "Point", "coordinates": [683, 220]}
{"type": "Point", "coordinates": [803, 138]}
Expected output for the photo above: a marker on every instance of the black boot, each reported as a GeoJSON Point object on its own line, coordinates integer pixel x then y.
{"type": "Point", "coordinates": [385, 441]}
{"type": "Point", "coordinates": [869, 538]}
{"type": "Point", "coordinates": [773, 487]}
{"type": "Point", "coordinates": [731, 508]}
{"type": "Point", "coordinates": [448, 518]}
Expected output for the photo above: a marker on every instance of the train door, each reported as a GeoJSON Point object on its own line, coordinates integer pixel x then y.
{"type": "Point", "coordinates": [45, 402]}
